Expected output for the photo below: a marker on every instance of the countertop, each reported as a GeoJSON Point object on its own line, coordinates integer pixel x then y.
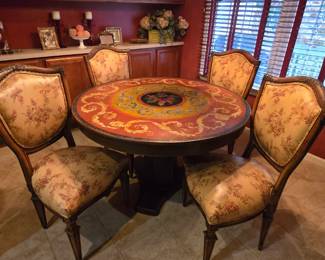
{"type": "Point", "coordinates": [24, 54]}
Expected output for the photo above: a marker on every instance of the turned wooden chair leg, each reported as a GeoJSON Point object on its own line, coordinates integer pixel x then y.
{"type": "Point", "coordinates": [73, 232]}
{"type": "Point", "coordinates": [210, 239]}
{"type": "Point", "coordinates": [231, 147]}
{"type": "Point", "coordinates": [185, 193]}
{"type": "Point", "coordinates": [125, 185]}
{"type": "Point", "coordinates": [40, 209]}
{"type": "Point", "coordinates": [266, 223]}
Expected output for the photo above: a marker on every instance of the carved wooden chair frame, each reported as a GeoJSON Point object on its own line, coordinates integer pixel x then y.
{"type": "Point", "coordinates": [94, 51]}
{"type": "Point", "coordinates": [252, 60]}
{"type": "Point", "coordinates": [285, 171]}
{"type": "Point", "coordinates": [72, 229]}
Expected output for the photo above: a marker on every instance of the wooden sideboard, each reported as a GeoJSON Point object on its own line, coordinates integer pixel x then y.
{"type": "Point", "coordinates": [162, 61]}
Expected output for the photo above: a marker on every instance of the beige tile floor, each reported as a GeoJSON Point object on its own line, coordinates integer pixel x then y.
{"type": "Point", "coordinates": [110, 231]}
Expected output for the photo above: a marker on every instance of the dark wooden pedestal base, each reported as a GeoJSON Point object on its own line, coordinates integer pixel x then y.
{"type": "Point", "coordinates": [159, 179]}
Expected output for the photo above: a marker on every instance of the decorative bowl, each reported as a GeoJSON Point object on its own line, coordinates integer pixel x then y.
{"type": "Point", "coordinates": [81, 40]}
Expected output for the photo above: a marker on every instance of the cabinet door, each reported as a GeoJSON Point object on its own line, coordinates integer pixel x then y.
{"type": "Point", "coordinates": [143, 63]}
{"type": "Point", "coordinates": [32, 62]}
{"type": "Point", "coordinates": [75, 71]}
{"type": "Point", "coordinates": [168, 61]}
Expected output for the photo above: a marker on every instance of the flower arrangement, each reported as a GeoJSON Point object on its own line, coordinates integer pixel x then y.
{"type": "Point", "coordinates": [165, 22]}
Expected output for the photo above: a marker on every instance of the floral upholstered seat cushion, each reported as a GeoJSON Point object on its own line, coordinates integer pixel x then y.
{"type": "Point", "coordinates": [227, 187]}
{"type": "Point", "coordinates": [69, 178]}
{"type": "Point", "coordinates": [108, 65]}
{"type": "Point", "coordinates": [232, 71]}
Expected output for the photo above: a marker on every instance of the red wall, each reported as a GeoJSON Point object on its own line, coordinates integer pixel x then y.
{"type": "Point", "coordinates": [21, 20]}
{"type": "Point", "coordinates": [193, 11]}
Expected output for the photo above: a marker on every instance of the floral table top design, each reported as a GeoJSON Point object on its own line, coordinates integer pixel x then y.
{"type": "Point", "coordinates": [161, 109]}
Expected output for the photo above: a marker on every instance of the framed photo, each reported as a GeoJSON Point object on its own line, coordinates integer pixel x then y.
{"type": "Point", "coordinates": [117, 33]}
{"type": "Point", "coordinates": [48, 38]}
{"type": "Point", "coordinates": [106, 38]}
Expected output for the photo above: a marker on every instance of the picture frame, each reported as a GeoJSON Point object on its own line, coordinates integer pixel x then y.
{"type": "Point", "coordinates": [48, 38]}
{"type": "Point", "coordinates": [106, 38]}
{"type": "Point", "coordinates": [117, 34]}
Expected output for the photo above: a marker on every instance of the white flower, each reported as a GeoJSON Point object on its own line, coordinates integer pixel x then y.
{"type": "Point", "coordinates": [168, 14]}
{"type": "Point", "coordinates": [145, 23]}
{"type": "Point", "coordinates": [162, 22]}
{"type": "Point", "coordinates": [182, 23]}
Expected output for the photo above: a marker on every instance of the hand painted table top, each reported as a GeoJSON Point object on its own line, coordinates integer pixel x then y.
{"type": "Point", "coordinates": [160, 111]}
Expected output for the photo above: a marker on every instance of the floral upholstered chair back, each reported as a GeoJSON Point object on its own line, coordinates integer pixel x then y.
{"type": "Point", "coordinates": [234, 70]}
{"type": "Point", "coordinates": [287, 114]}
{"type": "Point", "coordinates": [33, 105]}
{"type": "Point", "coordinates": [107, 65]}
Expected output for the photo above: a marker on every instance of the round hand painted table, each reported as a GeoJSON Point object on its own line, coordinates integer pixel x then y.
{"type": "Point", "coordinates": [160, 117]}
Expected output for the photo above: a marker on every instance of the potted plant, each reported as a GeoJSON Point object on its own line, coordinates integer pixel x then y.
{"type": "Point", "coordinates": [162, 27]}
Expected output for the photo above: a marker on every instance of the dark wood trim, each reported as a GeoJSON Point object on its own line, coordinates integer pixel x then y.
{"type": "Point", "coordinates": [293, 37]}
{"type": "Point", "coordinates": [248, 56]}
{"type": "Point", "coordinates": [321, 76]}
{"type": "Point", "coordinates": [232, 30]}
{"type": "Point", "coordinates": [210, 33]}
{"type": "Point", "coordinates": [261, 29]}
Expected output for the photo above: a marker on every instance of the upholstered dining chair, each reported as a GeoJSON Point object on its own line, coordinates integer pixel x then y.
{"type": "Point", "coordinates": [106, 64]}
{"type": "Point", "coordinates": [287, 116]}
{"type": "Point", "coordinates": [35, 113]}
{"type": "Point", "coordinates": [234, 70]}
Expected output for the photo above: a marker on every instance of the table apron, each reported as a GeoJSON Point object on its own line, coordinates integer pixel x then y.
{"type": "Point", "coordinates": [162, 149]}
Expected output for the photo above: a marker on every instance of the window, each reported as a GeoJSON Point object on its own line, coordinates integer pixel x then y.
{"type": "Point", "coordinates": [221, 27]}
{"type": "Point", "coordinates": [309, 50]}
{"type": "Point", "coordinates": [247, 25]}
{"type": "Point", "coordinates": [276, 37]}
{"type": "Point", "coordinates": [232, 27]}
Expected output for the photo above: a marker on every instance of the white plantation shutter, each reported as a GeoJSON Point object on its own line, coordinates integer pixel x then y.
{"type": "Point", "coordinates": [276, 37]}
{"type": "Point", "coordinates": [282, 36]}
{"type": "Point", "coordinates": [309, 50]}
{"type": "Point", "coordinates": [247, 25]}
{"type": "Point", "coordinates": [222, 23]}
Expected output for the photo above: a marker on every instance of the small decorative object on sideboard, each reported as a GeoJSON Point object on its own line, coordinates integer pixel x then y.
{"type": "Point", "coordinates": [162, 27]}
{"type": "Point", "coordinates": [106, 38]}
{"type": "Point", "coordinates": [48, 38]}
{"type": "Point", "coordinates": [117, 34]}
{"type": "Point", "coordinates": [4, 46]}
{"type": "Point", "coordinates": [88, 24]}
{"type": "Point", "coordinates": [56, 17]}
{"type": "Point", "coordinates": [79, 34]}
